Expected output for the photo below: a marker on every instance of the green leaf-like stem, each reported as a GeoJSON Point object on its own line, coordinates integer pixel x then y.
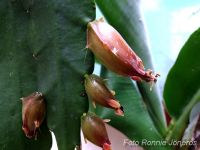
{"type": "Point", "coordinates": [42, 49]}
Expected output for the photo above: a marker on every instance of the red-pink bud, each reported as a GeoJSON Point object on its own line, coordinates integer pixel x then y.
{"type": "Point", "coordinates": [113, 51]}
{"type": "Point", "coordinates": [33, 113]}
{"type": "Point", "coordinates": [99, 93]}
{"type": "Point", "coordinates": [95, 131]}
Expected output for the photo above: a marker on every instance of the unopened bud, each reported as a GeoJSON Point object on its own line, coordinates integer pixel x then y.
{"type": "Point", "coordinates": [33, 113]}
{"type": "Point", "coordinates": [99, 93]}
{"type": "Point", "coordinates": [95, 131]}
{"type": "Point", "coordinates": [113, 51]}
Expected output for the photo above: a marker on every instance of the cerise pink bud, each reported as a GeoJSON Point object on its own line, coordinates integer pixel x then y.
{"type": "Point", "coordinates": [113, 51]}
{"type": "Point", "coordinates": [33, 113]}
{"type": "Point", "coordinates": [95, 131]}
{"type": "Point", "coordinates": [99, 93]}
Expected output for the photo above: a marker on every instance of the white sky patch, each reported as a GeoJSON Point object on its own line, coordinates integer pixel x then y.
{"type": "Point", "coordinates": [184, 22]}
{"type": "Point", "coordinates": [150, 5]}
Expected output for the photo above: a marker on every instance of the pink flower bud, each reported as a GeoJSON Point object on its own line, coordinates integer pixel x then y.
{"type": "Point", "coordinates": [33, 113]}
{"type": "Point", "coordinates": [94, 130]}
{"type": "Point", "coordinates": [113, 51]}
{"type": "Point", "coordinates": [98, 93]}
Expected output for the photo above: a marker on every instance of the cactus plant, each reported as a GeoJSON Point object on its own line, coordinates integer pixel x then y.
{"type": "Point", "coordinates": [43, 48]}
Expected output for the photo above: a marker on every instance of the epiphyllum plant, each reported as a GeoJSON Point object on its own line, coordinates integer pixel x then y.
{"type": "Point", "coordinates": [99, 93]}
{"type": "Point", "coordinates": [113, 51]}
{"type": "Point", "coordinates": [109, 46]}
{"type": "Point", "coordinates": [94, 130]}
{"type": "Point", "coordinates": [33, 113]}
{"type": "Point", "coordinates": [41, 49]}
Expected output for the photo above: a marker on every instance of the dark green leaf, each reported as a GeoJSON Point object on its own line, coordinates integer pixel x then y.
{"type": "Point", "coordinates": [42, 49]}
{"type": "Point", "coordinates": [182, 88]}
{"type": "Point", "coordinates": [183, 79]}
{"type": "Point", "coordinates": [126, 17]}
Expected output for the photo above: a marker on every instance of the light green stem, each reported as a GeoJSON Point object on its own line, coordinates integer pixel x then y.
{"type": "Point", "coordinates": [181, 123]}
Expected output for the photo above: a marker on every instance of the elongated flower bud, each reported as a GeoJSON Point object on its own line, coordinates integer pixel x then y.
{"type": "Point", "coordinates": [113, 51]}
{"type": "Point", "coordinates": [98, 93]}
{"type": "Point", "coordinates": [33, 113]}
{"type": "Point", "coordinates": [94, 130]}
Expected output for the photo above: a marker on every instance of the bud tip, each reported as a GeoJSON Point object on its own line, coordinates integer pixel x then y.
{"type": "Point", "coordinates": [119, 111]}
{"type": "Point", "coordinates": [106, 146]}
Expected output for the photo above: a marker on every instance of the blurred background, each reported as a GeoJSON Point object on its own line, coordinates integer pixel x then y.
{"type": "Point", "coordinates": [168, 25]}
